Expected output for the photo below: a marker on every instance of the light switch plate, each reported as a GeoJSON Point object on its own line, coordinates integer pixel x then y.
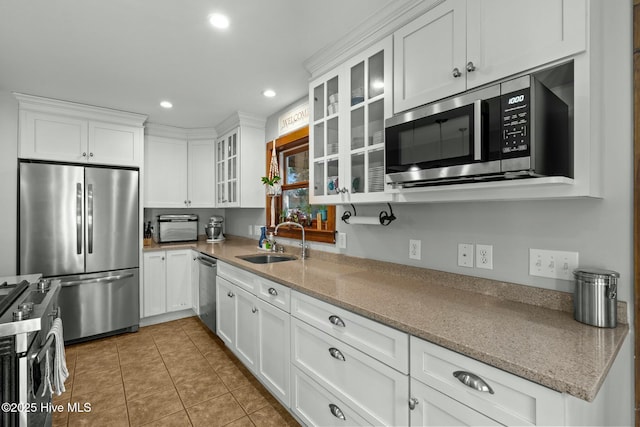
{"type": "Point", "coordinates": [415, 249]}
{"type": "Point", "coordinates": [465, 255]}
{"type": "Point", "coordinates": [256, 229]}
{"type": "Point", "coordinates": [553, 264]}
{"type": "Point", "coordinates": [342, 240]}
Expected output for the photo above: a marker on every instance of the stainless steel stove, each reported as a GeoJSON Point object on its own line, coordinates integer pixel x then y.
{"type": "Point", "coordinates": [28, 307]}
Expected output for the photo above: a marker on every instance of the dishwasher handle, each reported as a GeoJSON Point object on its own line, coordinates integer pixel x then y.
{"type": "Point", "coordinates": [207, 262]}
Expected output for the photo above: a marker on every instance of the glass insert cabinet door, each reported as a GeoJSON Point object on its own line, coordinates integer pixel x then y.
{"type": "Point", "coordinates": [325, 137]}
{"type": "Point", "coordinates": [227, 170]}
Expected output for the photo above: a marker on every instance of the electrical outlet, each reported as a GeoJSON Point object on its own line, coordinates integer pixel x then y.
{"type": "Point", "coordinates": [465, 255]}
{"type": "Point", "coordinates": [342, 240]}
{"type": "Point", "coordinates": [553, 264]}
{"type": "Point", "coordinates": [250, 230]}
{"type": "Point", "coordinates": [415, 249]}
{"type": "Point", "coordinates": [256, 230]}
{"type": "Point", "coordinates": [484, 256]}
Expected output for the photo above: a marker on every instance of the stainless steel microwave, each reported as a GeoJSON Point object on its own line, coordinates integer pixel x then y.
{"type": "Point", "coordinates": [514, 129]}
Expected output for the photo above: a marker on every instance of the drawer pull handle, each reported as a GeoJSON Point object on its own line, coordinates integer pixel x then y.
{"type": "Point", "coordinates": [413, 402]}
{"type": "Point", "coordinates": [336, 354]}
{"type": "Point", "coordinates": [336, 321]}
{"type": "Point", "coordinates": [336, 412]}
{"type": "Point", "coordinates": [230, 294]}
{"type": "Point", "coordinates": [473, 381]}
{"type": "Point", "coordinates": [273, 292]}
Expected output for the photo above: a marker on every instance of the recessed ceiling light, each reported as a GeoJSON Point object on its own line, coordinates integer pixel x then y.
{"type": "Point", "coordinates": [166, 104]}
{"type": "Point", "coordinates": [269, 93]}
{"type": "Point", "coordinates": [219, 20]}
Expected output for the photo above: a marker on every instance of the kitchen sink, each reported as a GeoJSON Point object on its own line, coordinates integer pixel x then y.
{"type": "Point", "coordinates": [266, 258]}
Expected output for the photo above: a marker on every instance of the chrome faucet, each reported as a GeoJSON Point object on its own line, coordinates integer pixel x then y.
{"type": "Point", "coordinates": [303, 254]}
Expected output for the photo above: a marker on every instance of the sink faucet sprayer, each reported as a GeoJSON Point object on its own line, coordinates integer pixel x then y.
{"type": "Point", "coordinates": [303, 254]}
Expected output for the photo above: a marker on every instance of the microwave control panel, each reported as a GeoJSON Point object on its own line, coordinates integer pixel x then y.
{"type": "Point", "coordinates": [515, 123]}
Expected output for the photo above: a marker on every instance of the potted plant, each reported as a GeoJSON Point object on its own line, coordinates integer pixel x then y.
{"type": "Point", "coordinates": [272, 186]}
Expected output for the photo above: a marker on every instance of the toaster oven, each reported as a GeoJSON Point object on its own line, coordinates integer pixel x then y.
{"type": "Point", "coordinates": [177, 228]}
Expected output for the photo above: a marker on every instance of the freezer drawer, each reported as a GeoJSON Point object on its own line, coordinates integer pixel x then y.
{"type": "Point", "coordinates": [100, 303]}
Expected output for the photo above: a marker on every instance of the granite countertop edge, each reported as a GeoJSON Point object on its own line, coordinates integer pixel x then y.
{"type": "Point", "coordinates": [553, 301]}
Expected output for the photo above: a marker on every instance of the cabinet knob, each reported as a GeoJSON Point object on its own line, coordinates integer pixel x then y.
{"type": "Point", "coordinates": [470, 67]}
{"type": "Point", "coordinates": [162, 258]}
{"type": "Point", "coordinates": [185, 203]}
{"type": "Point", "coordinates": [84, 154]}
{"type": "Point", "coordinates": [230, 294]}
{"type": "Point", "coordinates": [273, 292]}
{"type": "Point", "coordinates": [336, 321]}
{"type": "Point", "coordinates": [473, 381]}
{"type": "Point", "coordinates": [456, 72]}
{"type": "Point", "coordinates": [254, 310]}
{"type": "Point", "coordinates": [337, 412]}
{"type": "Point", "coordinates": [413, 402]}
{"type": "Point", "coordinates": [90, 154]}
{"type": "Point", "coordinates": [337, 354]}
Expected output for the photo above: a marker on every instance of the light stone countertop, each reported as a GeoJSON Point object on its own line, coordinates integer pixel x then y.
{"type": "Point", "coordinates": [527, 331]}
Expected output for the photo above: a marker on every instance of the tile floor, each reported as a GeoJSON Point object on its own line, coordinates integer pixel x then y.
{"type": "Point", "coordinates": [171, 374]}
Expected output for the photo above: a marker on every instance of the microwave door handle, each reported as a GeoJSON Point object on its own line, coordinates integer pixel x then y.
{"type": "Point", "coordinates": [477, 129]}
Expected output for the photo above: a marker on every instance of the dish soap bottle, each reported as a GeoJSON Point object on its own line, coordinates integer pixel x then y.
{"type": "Point", "coordinates": [263, 236]}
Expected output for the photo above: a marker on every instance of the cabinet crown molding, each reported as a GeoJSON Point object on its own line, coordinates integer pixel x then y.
{"type": "Point", "coordinates": [373, 29]}
{"type": "Point", "coordinates": [74, 109]}
{"type": "Point", "coordinates": [241, 119]}
{"type": "Point", "coordinates": [191, 134]}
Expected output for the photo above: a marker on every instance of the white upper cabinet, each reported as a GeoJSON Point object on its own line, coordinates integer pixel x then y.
{"type": "Point", "coordinates": [179, 169]}
{"type": "Point", "coordinates": [460, 44]}
{"type": "Point", "coordinates": [348, 109]}
{"type": "Point", "coordinates": [68, 132]}
{"type": "Point", "coordinates": [240, 162]}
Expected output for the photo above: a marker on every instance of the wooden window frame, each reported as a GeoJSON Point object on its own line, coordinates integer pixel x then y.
{"type": "Point", "coordinates": [289, 142]}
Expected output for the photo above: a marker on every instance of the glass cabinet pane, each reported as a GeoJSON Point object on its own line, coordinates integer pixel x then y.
{"type": "Point", "coordinates": [318, 178]}
{"type": "Point", "coordinates": [318, 140]}
{"type": "Point", "coordinates": [332, 96]}
{"type": "Point", "coordinates": [332, 136]}
{"type": "Point", "coordinates": [332, 177]}
{"type": "Point", "coordinates": [376, 75]}
{"type": "Point", "coordinates": [357, 84]}
{"type": "Point", "coordinates": [357, 173]}
{"type": "Point", "coordinates": [234, 144]}
{"type": "Point", "coordinates": [357, 128]}
{"type": "Point", "coordinates": [376, 122]}
{"type": "Point", "coordinates": [318, 102]}
{"type": "Point", "coordinates": [376, 171]}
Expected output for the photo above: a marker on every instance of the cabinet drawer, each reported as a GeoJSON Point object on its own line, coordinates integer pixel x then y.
{"type": "Point", "coordinates": [375, 339]}
{"type": "Point", "coordinates": [246, 280]}
{"type": "Point", "coordinates": [315, 406]}
{"type": "Point", "coordinates": [514, 401]}
{"type": "Point", "coordinates": [275, 294]}
{"type": "Point", "coordinates": [375, 390]}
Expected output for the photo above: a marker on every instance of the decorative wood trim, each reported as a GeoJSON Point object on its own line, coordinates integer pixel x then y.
{"type": "Point", "coordinates": [636, 200]}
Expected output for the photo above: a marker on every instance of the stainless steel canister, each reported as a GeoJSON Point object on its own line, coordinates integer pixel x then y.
{"type": "Point", "coordinates": [595, 298]}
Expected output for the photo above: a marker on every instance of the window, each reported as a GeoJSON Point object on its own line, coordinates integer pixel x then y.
{"type": "Point", "coordinates": [293, 204]}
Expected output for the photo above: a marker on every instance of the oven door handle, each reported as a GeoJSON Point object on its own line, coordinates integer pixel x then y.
{"type": "Point", "coordinates": [97, 280]}
{"type": "Point", "coordinates": [37, 357]}
{"type": "Point", "coordinates": [477, 129]}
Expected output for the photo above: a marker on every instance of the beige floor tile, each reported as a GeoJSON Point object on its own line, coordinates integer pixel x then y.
{"type": "Point", "coordinates": [100, 399]}
{"type": "Point", "coordinates": [219, 360]}
{"type": "Point", "coordinates": [268, 417]}
{"type": "Point", "coordinates": [96, 361]}
{"type": "Point", "coordinates": [113, 416]}
{"type": "Point", "coordinates": [242, 422]}
{"type": "Point", "coordinates": [215, 412]}
{"type": "Point", "coordinates": [179, 419]}
{"type": "Point", "coordinates": [154, 407]}
{"type": "Point", "coordinates": [251, 397]}
{"type": "Point", "coordinates": [60, 418]}
{"type": "Point", "coordinates": [233, 377]}
{"type": "Point", "coordinates": [198, 389]}
{"type": "Point", "coordinates": [141, 381]}
{"type": "Point", "coordinates": [141, 356]}
{"type": "Point", "coordinates": [91, 380]}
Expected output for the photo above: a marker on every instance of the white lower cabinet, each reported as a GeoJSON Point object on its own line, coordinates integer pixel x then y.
{"type": "Point", "coordinates": [488, 391]}
{"type": "Point", "coordinates": [376, 391]}
{"type": "Point", "coordinates": [167, 282]}
{"type": "Point", "coordinates": [256, 331]}
{"type": "Point", "coordinates": [315, 406]}
{"type": "Point", "coordinates": [432, 408]}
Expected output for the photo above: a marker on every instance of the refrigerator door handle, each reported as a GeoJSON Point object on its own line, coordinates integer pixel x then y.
{"type": "Point", "coordinates": [97, 280]}
{"type": "Point", "coordinates": [90, 218]}
{"type": "Point", "coordinates": [79, 218]}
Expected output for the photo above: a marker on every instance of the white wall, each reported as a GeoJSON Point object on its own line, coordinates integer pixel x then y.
{"type": "Point", "coordinates": [8, 182]}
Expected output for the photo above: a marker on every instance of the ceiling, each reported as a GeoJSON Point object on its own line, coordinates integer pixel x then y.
{"type": "Point", "coordinates": [130, 55]}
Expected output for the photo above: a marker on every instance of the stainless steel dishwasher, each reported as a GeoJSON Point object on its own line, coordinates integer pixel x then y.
{"type": "Point", "coordinates": [207, 290]}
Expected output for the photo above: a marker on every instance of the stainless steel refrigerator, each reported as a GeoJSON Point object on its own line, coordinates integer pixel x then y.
{"type": "Point", "coordinates": [80, 224]}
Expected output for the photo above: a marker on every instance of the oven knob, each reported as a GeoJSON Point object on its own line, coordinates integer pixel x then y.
{"type": "Point", "coordinates": [27, 307]}
{"type": "Point", "coordinates": [20, 315]}
{"type": "Point", "coordinates": [44, 284]}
